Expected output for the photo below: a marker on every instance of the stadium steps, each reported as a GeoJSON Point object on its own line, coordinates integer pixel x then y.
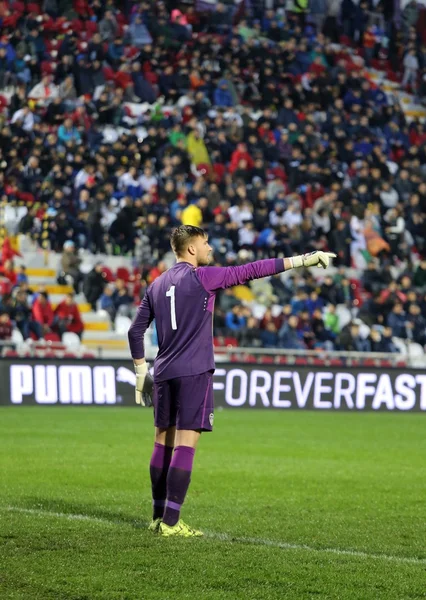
{"type": "Point", "coordinates": [40, 278]}
{"type": "Point", "coordinates": [41, 273]}
{"type": "Point", "coordinates": [52, 288]}
{"type": "Point", "coordinates": [412, 109]}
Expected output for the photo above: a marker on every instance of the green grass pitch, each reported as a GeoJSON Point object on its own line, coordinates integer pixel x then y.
{"type": "Point", "coordinates": [295, 505]}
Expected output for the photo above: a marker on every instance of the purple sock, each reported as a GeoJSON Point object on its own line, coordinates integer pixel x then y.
{"type": "Point", "coordinates": [178, 480]}
{"type": "Point", "coordinates": [158, 468]}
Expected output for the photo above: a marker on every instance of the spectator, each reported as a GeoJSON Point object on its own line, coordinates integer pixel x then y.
{"type": "Point", "coordinates": [106, 301]}
{"type": "Point", "coordinates": [5, 327]}
{"type": "Point", "coordinates": [70, 266]}
{"type": "Point", "coordinates": [235, 320]}
{"type": "Point", "coordinates": [42, 312]}
{"type": "Point", "coordinates": [21, 315]}
{"type": "Point", "coordinates": [331, 319]}
{"type": "Point", "coordinates": [397, 321]}
{"type": "Point", "coordinates": [7, 270]}
{"type": "Point", "coordinates": [108, 27]}
{"type": "Point", "coordinates": [269, 336]}
{"type": "Point", "coordinates": [411, 68]}
{"type": "Point", "coordinates": [22, 276]}
{"type": "Point", "coordinates": [420, 275]}
{"type": "Point", "coordinates": [121, 299]}
{"type": "Point", "coordinates": [222, 95]}
{"type": "Point", "coordinates": [67, 317]}
{"type": "Point", "coordinates": [24, 117]}
{"type": "Point", "coordinates": [93, 285]}
{"type": "Point", "coordinates": [382, 342]}
{"type": "Point", "coordinates": [288, 336]}
{"type": "Point", "coordinates": [416, 325]}
{"type": "Point", "coordinates": [251, 335]}
{"type": "Point", "coordinates": [68, 133]}
{"type": "Point", "coordinates": [351, 340]}
{"type": "Point", "coordinates": [138, 32]}
{"type": "Point", "coordinates": [44, 91]}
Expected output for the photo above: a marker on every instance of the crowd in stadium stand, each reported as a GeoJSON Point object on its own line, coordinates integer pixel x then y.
{"type": "Point", "coordinates": [257, 121]}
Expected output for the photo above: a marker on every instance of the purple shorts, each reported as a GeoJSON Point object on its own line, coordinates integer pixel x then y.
{"type": "Point", "coordinates": [186, 402]}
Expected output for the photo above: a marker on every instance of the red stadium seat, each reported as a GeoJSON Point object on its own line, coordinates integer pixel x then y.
{"type": "Point", "coordinates": [25, 197]}
{"type": "Point", "coordinates": [91, 27]}
{"type": "Point", "coordinates": [47, 67]}
{"type": "Point", "coordinates": [248, 358]}
{"type": "Point", "coordinates": [52, 337]}
{"type": "Point", "coordinates": [301, 361]}
{"type": "Point", "coordinates": [3, 103]}
{"type": "Point", "coordinates": [77, 26]}
{"type": "Point", "coordinates": [231, 341]}
{"type": "Point", "coordinates": [17, 7]}
{"type": "Point", "coordinates": [123, 273]}
{"type": "Point", "coordinates": [109, 73]}
{"type": "Point", "coordinates": [108, 274]}
{"type": "Point", "coordinates": [10, 353]}
{"type": "Point", "coordinates": [33, 7]}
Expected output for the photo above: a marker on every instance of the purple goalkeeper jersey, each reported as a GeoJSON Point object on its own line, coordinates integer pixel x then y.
{"type": "Point", "coordinates": [181, 301]}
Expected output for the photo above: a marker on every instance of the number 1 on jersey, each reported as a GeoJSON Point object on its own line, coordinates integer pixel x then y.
{"type": "Point", "coordinates": [171, 294]}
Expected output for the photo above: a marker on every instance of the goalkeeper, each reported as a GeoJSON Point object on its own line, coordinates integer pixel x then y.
{"type": "Point", "coordinates": [181, 301]}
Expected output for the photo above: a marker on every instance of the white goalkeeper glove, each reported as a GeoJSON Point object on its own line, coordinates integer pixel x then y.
{"type": "Point", "coordinates": [318, 258]}
{"type": "Point", "coordinates": [144, 385]}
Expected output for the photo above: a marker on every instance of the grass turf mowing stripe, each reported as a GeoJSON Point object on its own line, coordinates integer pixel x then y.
{"type": "Point", "coordinates": [224, 537]}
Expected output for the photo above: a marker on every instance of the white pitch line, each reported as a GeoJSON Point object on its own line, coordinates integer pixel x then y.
{"type": "Point", "coordinates": [49, 513]}
{"type": "Point", "coordinates": [225, 537]}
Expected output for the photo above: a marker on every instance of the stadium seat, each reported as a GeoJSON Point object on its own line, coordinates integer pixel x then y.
{"type": "Point", "coordinates": [123, 273]}
{"type": "Point", "coordinates": [91, 27]}
{"type": "Point", "coordinates": [301, 361]}
{"type": "Point", "coordinates": [17, 7]}
{"type": "Point", "coordinates": [401, 345]}
{"type": "Point", "coordinates": [52, 337]}
{"type": "Point", "coordinates": [71, 341]}
{"type": "Point", "coordinates": [108, 274]}
{"type": "Point", "coordinates": [344, 315]}
{"type": "Point", "coordinates": [8, 353]}
{"type": "Point", "coordinates": [415, 350]}
{"type": "Point", "coordinates": [17, 337]}
{"type": "Point", "coordinates": [122, 325]}
{"type": "Point", "coordinates": [33, 7]}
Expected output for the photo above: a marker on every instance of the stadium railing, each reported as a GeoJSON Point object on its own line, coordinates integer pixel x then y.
{"type": "Point", "coordinates": [246, 355]}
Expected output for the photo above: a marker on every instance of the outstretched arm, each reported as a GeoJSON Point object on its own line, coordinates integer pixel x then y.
{"type": "Point", "coordinates": [216, 278]}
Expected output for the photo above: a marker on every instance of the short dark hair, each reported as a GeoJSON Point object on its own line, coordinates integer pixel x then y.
{"type": "Point", "coordinates": [182, 236]}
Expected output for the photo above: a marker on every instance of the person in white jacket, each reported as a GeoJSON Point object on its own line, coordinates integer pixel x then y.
{"type": "Point", "coordinates": [389, 197]}
{"type": "Point", "coordinates": [44, 92]}
{"type": "Point", "coordinates": [411, 68]}
{"type": "Point", "coordinates": [25, 116]}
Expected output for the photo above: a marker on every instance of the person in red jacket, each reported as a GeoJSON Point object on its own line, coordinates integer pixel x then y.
{"type": "Point", "coordinates": [5, 326]}
{"type": "Point", "coordinates": [7, 270]}
{"type": "Point", "coordinates": [42, 312]}
{"type": "Point", "coordinates": [240, 154]}
{"type": "Point", "coordinates": [7, 252]}
{"type": "Point", "coordinates": [67, 317]}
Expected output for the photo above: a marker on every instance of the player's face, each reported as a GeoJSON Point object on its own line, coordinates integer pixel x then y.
{"type": "Point", "coordinates": [204, 252]}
